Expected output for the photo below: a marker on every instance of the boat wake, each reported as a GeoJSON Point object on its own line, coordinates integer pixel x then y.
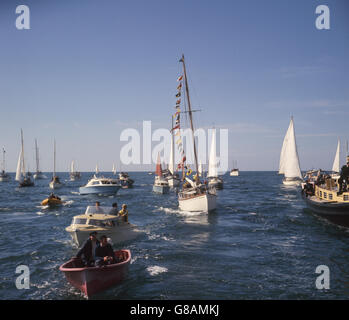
{"type": "Point", "coordinates": [155, 270]}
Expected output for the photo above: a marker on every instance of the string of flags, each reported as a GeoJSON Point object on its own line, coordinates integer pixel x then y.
{"type": "Point", "coordinates": [177, 127]}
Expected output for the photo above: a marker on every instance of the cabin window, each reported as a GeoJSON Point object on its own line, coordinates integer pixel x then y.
{"type": "Point", "coordinates": [97, 223]}
{"type": "Point", "coordinates": [95, 183]}
{"type": "Point", "coordinates": [345, 197]}
{"type": "Point", "coordinates": [325, 195]}
{"type": "Point", "coordinates": [79, 221]}
{"type": "Point", "coordinates": [330, 196]}
{"type": "Point", "coordinates": [320, 194]}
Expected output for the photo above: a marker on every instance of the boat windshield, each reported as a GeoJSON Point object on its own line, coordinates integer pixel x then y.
{"type": "Point", "coordinates": [101, 210]}
{"type": "Point", "coordinates": [79, 221]}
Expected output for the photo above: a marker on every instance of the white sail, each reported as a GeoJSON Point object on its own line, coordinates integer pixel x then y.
{"type": "Point", "coordinates": [19, 167]}
{"type": "Point", "coordinates": [97, 169]}
{"type": "Point", "coordinates": [289, 161]}
{"type": "Point", "coordinates": [200, 169]}
{"type": "Point", "coordinates": [335, 166]}
{"type": "Point", "coordinates": [212, 165]}
{"type": "Point", "coordinates": [114, 169]}
{"type": "Point", "coordinates": [72, 167]}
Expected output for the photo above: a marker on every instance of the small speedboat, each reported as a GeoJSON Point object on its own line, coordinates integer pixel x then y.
{"type": "Point", "coordinates": [161, 185]}
{"type": "Point", "coordinates": [91, 280]}
{"type": "Point", "coordinates": [52, 201]}
{"type": "Point", "coordinates": [103, 220]}
{"type": "Point", "coordinates": [103, 186]}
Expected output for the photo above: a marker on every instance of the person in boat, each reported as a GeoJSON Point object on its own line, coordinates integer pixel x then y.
{"type": "Point", "coordinates": [98, 208]}
{"type": "Point", "coordinates": [124, 213]}
{"type": "Point", "coordinates": [344, 177]}
{"type": "Point", "coordinates": [104, 253]}
{"type": "Point", "coordinates": [114, 210]}
{"type": "Point", "coordinates": [53, 196]}
{"type": "Point", "coordinates": [308, 189]}
{"type": "Point", "coordinates": [87, 251]}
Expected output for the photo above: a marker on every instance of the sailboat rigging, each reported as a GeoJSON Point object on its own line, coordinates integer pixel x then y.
{"type": "Point", "coordinates": [194, 196]}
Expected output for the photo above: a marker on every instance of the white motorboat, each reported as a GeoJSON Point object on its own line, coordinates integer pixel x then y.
{"type": "Point", "coordinates": [101, 186]}
{"type": "Point", "coordinates": [289, 161]}
{"type": "Point", "coordinates": [194, 196]}
{"type": "Point", "coordinates": [104, 221]}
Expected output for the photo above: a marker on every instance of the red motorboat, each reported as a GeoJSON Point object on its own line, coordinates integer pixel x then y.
{"type": "Point", "coordinates": [91, 280]}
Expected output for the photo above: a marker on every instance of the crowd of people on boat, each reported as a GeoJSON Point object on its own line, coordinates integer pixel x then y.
{"type": "Point", "coordinates": [321, 177]}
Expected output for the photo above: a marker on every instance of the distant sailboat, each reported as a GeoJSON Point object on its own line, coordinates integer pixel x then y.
{"type": "Point", "coordinates": [235, 170]}
{"type": "Point", "coordinates": [55, 183]}
{"type": "Point", "coordinates": [336, 164]}
{"type": "Point", "coordinates": [38, 174]}
{"type": "Point", "coordinates": [161, 185]}
{"type": "Point", "coordinates": [289, 161]}
{"type": "Point", "coordinates": [114, 170]}
{"type": "Point", "coordinates": [171, 175]}
{"type": "Point", "coordinates": [4, 177]}
{"type": "Point", "coordinates": [74, 175]}
{"type": "Point", "coordinates": [21, 176]}
{"type": "Point", "coordinates": [212, 175]}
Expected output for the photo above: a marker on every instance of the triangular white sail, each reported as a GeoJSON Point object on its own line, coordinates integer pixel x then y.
{"type": "Point", "coordinates": [72, 167]}
{"type": "Point", "coordinates": [335, 166]}
{"type": "Point", "coordinates": [114, 169]}
{"type": "Point", "coordinates": [289, 161]}
{"type": "Point", "coordinates": [97, 170]}
{"type": "Point", "coordinates": [19, 167]}
{"type": "Point", "coordinates": [212, 164]}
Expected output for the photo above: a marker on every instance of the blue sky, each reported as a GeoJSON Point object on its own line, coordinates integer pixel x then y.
{"type": "Point", "coordinates": [86, 70]}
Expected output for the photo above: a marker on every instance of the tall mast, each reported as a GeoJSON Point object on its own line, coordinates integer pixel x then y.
{"type": "Point", "coordinates": [23, 164]}
{"type": "Point", "coordinates": [54, 157]}
{"type": "Point", "coordinates": [37, 156]}
{"type": "Point", "coordinates": [3, 158]}
{"type": "Point", "coordinates": [191, 118]}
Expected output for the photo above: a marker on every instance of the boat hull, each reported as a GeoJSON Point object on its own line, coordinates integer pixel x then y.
{"type": "Point", "coordinates": [234, 173]}
{"type": "Point", "coordinates": [91, 280]}
{"type": "Point", "coordinates": [161, 189]}
{"type": "Point", "coordinates": [121, 234]}
{"type": "Point", "coordinates": [335, 212]}
{"type": "Point", "coordinates": [51, 202]}
{"type": "Point", "coordinates": [294, 182]}
{"type": "Point", "coordinates": [55, 185]}
{"type": "Point", "coordinates": [39, 176]}
{"type": "Point", "coordinates": [201, 203]}
{"type": "Point", "coordinates": [101, 189]}
{"type": "Point", "coordinates": [4, 178]}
